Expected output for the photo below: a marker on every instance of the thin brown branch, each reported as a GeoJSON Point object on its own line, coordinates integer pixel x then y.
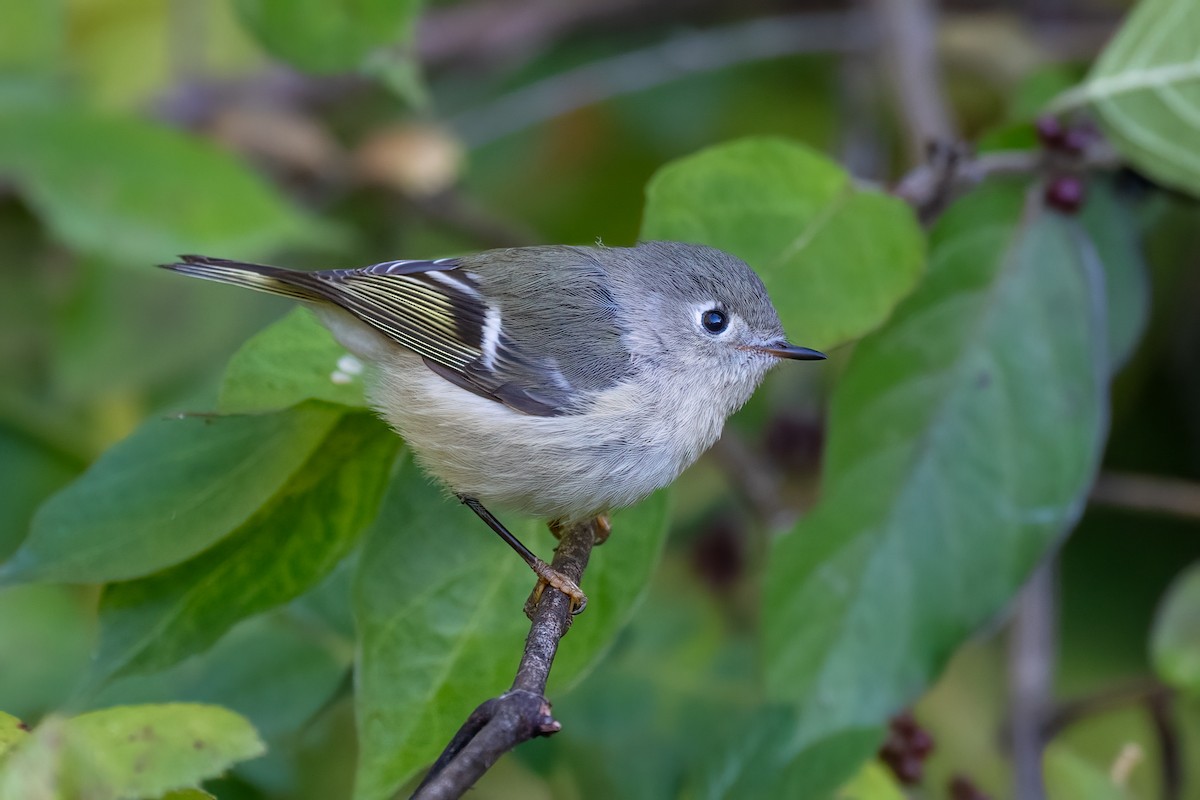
{"type": "Point", "coordinates": [908, 30]}
{"type": "Point", "coordinates": [1170, 756]}
{"type": "Point", "coordinates": [1031, 676]}
{"type": "Point", "coordinates": [1150, 493]}
{"type": "Point", "coordinates": [523, 712]}
{"type": "Point", "coordinates": [1102, 702]}
{"type": "Point", "coordinates": [950, 170]}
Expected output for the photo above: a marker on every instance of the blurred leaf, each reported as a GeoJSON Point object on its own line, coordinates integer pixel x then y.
{"type": "Point", "coordinates": [438, 602]}
{"type": "Point", "coordinates": [765, 759]}
{"type": "Point", "coordinates": [46, 637]}
{"type": "Point", "coordinates": [1145, 87]}
{"type": "Point", "coordinates": [873, 782]}
{"type": "Point", "coordinates": [31, 472]}
{"type": "Point", "coordinates": [140, 193]}
{"type": "Point", "coordinates": [835, 259]}
{"type": "Point", "coordinates": [963, 437]}
{"type": "Point", "coordinates": [188, 794]}
{"type": "Point", "coordinates": [287, 546]}
{"type": "Point", "coordinates": [12, 732]}
{"type": "Point", "coordinates": [328, 35]}
{"type": "Point", "coordinates": [32, 35]}
{"type": "Point", "coordinates": [169, 491]}
{"type": "Point", "coordinates": [295, 359]}
{"type": "Point", "coordinates": [127, 752]}
{"type": "Point", "coordinates": [1175, 638]}
{"type": "Point", "coordinates": [269, 669]}
{"type": "Point", "coordinates": [1110, 225]}
{"type": "Point", "coordinates": [1070, 777]}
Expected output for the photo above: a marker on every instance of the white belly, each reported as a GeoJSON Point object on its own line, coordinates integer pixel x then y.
{"type": "Point", "coordinates": [565, 467]}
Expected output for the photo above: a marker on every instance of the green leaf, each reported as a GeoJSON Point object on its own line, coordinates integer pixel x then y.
{"type": "Point", "coordinates": [271, 670]}
{"type": "Point", "coordinates": [12, 732]}
{"type": "Point", "coordinates": [170, 490]}
{"type": "Point", "coordinates": [1070, 777]}
{"type": "Point", "coordinates": [963, 437]}
{"type": "Point", "coordinates": [286, 547]}
{"type": "Point", "coordinates": [438, 602]}
{"type": "Point", "coordinates": [33, 34]}
{"type": "Point", "coordinates": [763, 759]}
{"type": "Point", "coordinates": [293, 360]}
{"type": "Point", "coordinates": [127, 752]}
{"type": "Point", "coordinates": [136, 192]}
{"type": "Point", "coordinates": [1110, 225]}
{"type": "Point", "coordinates": [46, 637]}
{"type": "Point", "coordinates": [873, 782]}
{"type": "Point", "coordinates": [835, 259]}
{"type": "Point", "coordinates": [438, 605]}
{"type": "Point", "coordinates": [32, 471]}
{"type": "Point", "coordinates": [1145, 87]}
{"type": "Point", "coordinates": [1175, 638]}
{"type": "Point", "coordinates": [328, 35]}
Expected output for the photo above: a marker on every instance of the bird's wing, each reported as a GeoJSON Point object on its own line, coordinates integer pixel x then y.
{"type": "Point", "coordinates": [434, 308]}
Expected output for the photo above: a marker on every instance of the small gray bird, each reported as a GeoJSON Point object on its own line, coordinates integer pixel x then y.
{"type": "Point", "coordinates": [562, 382]}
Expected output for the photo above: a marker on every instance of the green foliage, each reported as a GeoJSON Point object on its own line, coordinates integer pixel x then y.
{"type": "Point", "coordinates": [435, 598]}
{"type": "Point", "coordinates": [127, 752]}
{"type": "Point", "coordinates": [293, 360]}
{"type": "Point", "coordinates": [835, 259]}
{"type": "Point", "coordinates": [137, 192]}
{"type": "Point", "coordinates": [198, 477]}
{"type": "Point", "coordinates": [250, 558]}
{"type": "Point", "coordinates": [1146, 88]}
{"type": "Point", "coordinates": [290, 543]}
{"type": "Point", "coordinates": [963, 437]}
{"type": "Point", "coordinates": [325, 36]}
{"type": "Point", "coordinates": [1070, 777]}
{"type": "Point", "coordinates": [1175, 640]}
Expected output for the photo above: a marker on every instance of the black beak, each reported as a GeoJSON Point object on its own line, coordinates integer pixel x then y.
{"type": "Point", "coordinates": [794, 352]}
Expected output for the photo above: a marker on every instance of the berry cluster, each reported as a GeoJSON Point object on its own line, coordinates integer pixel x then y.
{"type": "Point", "coordinates": [1064, 192]}
{"type": "Point", "coordinates": [961, 788]}
{"type": "Point", "coordinates": [906, 748]}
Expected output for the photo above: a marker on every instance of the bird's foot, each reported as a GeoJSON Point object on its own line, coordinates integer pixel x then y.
{"type": "Point", "coordinates": [548, 576]}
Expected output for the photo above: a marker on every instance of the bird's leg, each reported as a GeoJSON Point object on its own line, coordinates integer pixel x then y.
{"type": "Point", "coordinates": [602, 527]}
{"type": "Point", "coordinates": [547, 575]}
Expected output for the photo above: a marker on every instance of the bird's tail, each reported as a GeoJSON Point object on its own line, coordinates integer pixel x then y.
{"type": "Point", "coordinates": [273, 280]}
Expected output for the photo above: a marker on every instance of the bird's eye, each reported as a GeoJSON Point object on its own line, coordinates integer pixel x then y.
{"type": "Point", "coordinates": [714, 320]}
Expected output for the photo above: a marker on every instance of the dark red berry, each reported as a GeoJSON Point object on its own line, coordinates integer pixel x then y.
{"type": "Point", "coordinates": [904, 724]}
{"type": "Point", "coordinates": [1065, 193]}
{"type": "Point", "coordinates": [962, 789]}
{"type": "Point", "coordinates": [1050, 132]}
{"type": "Point", "coordinates": [894, 747]}
{"type": "Point", "coordinates": [920, 743]}
{"type": "Point", "coordinates": [1075, 140]}
{"type": "Point", "coordinates": [908, 770]}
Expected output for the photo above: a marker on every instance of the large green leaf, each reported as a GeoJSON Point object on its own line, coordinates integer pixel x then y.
{"type": "Point", "coordinates": [1146, 89]}
{"type": "Point", "coordinates": [167, 492]}
{"type": "Point", "coordinates": [834, 258]}
{"type": "Point", "coordinates": [438, 602]}
{"type": "Point", "coordinates": [270, 669]}
{"type": "Point", "coordinates": [1071, 777]}
{"type": "Point", "coordinates": [963, 437]}
{"type": "Point", "coordinates": [328, 35]}
{"type": "Point", "coordinates": [127, 752]}
{"type": "Point", "coordinates": [32, 471]}
{"type": "Point", "coordinates": [285, 548]}
{"type": "Point", "coordinates": [1111, 226]}
{"type": "Point", "coordinates": [1175, 639]}
{"type": "Point", "coordinates": [133, 191]}
{"type": "Point", "coordinates": [295, 359]}
{"type": "Point", "coordinates": [765, 759]}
